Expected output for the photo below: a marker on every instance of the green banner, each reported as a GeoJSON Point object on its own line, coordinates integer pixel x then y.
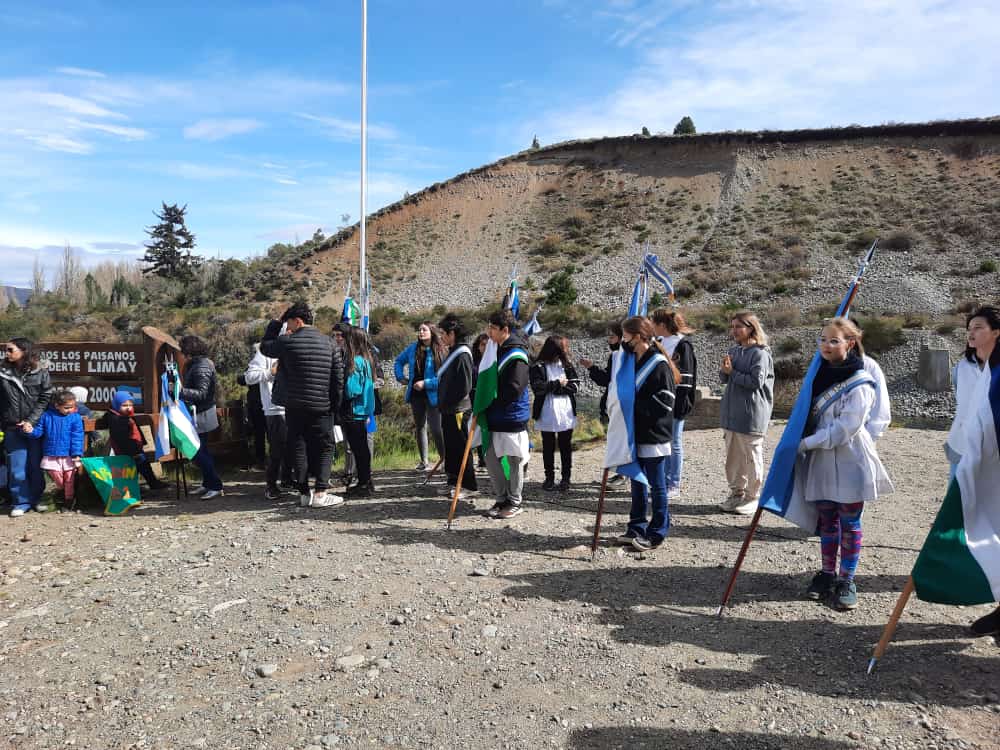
{"type": "Point", "coordinates": [116, 480]}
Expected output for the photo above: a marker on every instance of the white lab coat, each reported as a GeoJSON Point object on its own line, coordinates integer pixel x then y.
{"type": "Point", "coordinates": [841, 463]}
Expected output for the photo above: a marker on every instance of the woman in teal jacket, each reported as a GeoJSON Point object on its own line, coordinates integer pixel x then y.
{"type": "Point", "coordinates": [416, 368]}
{"type": "Point", "coordinates": [358, 406]}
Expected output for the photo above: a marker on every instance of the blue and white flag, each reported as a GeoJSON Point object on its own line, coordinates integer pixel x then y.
{"type": "Point", "coordinates": [651, 267]}
{"type": "Point", "coordinates": [533, 327]}
{"type": "Point", "coordinates": [512, 300]}
{"type": "Point", "coordinates": [777, 495]}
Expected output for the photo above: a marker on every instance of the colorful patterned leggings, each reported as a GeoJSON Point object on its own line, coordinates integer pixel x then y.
{"type": "Point", "coordinates": [840, 526]}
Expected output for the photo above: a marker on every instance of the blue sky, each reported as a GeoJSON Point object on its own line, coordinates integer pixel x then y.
{"type": "Point", "coordinates": [249, 112]}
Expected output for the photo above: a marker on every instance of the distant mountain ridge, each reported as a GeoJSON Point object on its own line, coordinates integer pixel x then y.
{"type": "Point", "coordinates": [17, 294]}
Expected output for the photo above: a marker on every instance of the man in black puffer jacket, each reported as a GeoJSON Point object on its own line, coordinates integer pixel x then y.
{"type": "Point", "coordinates": [313, 388]}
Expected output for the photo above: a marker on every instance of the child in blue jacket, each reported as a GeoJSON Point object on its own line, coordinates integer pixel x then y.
{"type": "Point", "coordinates": [61, 430]}
{"type": "Point", "coordinates": [416, 368]}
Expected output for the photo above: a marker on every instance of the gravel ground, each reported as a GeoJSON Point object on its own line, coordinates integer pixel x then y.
{"type": "Point", "coordinates": [243, 624]}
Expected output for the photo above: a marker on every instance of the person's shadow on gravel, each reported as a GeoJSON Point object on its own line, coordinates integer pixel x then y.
{"type": "Point", "coordinates": [635, 738]}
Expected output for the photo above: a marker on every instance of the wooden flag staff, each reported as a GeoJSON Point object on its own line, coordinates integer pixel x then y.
{"type": "Point", "coordinates": [600, 514]}
{"type": "Point", "coordinates": [890, 627]}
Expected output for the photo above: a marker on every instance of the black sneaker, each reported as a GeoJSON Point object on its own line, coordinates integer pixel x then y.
{"type": "Point", "coordinates": [987, 624]}
{"type": "Point", "coordinates": [821, 586]}
{"type": "Point", "coordinates": [846, 595]}
{"type": "Point", "coordinates": [494, 512]}
{"type": "Point", "coordinates": [358, 490]}
{"type": "Point", "coordinates": [272, 493]}
{"type": "Point", "coordinates": [159, 486]}
{"type": "Point", "coordinates": [549, 485]}
{"type": "Point", "coordinates": [642, 544]}
{"type": "Point", "coordinates": [564, 485]}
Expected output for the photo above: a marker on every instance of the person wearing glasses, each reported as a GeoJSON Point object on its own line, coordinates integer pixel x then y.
{"type": "Point", "coordinates": [839, 469]}
{"type": "Point", "coordinates": [747, 371]}
{"type": "Point", "coordinates": [25, 392]}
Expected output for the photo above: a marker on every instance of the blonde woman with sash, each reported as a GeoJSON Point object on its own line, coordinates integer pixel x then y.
{"type": "Point", "coordinates": [839, 469]}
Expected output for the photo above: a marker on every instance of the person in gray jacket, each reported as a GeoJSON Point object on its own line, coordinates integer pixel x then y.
{"type": "Point", "coordinates": [747, 371]}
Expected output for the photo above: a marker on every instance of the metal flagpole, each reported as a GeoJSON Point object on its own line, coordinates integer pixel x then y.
{"type": "Point", "coordinates": [364, 147]}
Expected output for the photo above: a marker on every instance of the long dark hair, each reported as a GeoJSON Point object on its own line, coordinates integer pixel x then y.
{"type": "Point", "coordinates": [555, 348]}
{"type": "Point", "coordinates": [437, 349]}
{"type": "Point", "coordinates": [29, 360]}
{"type": "Point", "coordinates": [992, 317]}
{"type": "Point", "coordinates": [356, 345]}
{"type": "Point", "coordinates": [451, 323]}
{"type": "Point", "coordinates": [477, 356]}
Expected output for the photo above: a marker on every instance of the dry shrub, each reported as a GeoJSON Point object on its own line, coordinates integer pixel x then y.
{"type": "Point", "coordinates": [789, 368]}
{"type": "Point", "coordinates": [898, 241]}
{"type": "Point", "coordinates": [783, 316]}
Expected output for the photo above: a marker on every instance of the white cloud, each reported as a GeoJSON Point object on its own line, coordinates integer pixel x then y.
{"type": "Point", "coordinates": [80, 72]}
{"type": "Point", "coordinates": [340, 129]}
{"type": "Point", "coordinates": [72, 104]}
{"type": "Point", "coordinates": [754, 64]}
{"type": "Point", "coordinates": [216, 130]}
{"type": "Point", "coordinates": [129, 134]}
{"type": "Point", "coordinates": [58, 142]}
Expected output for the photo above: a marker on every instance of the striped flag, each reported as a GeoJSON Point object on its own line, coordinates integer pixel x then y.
{"type": "Point", "coordinates": [176, 427]}
{"type": "Point", "coordinates": [960, 561]}
{"type": "Point", "coordinates": [512, 300]}
{"type": "Point", "coordinates": [651, 266]}
{"type": "Point", "coordinates": [533, 327]}
{"type": "Point", "coordinates": [351, 313]}
{"type": "Point", "coordinates": [486, 390]}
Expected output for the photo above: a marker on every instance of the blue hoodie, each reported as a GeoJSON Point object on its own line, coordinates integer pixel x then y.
{"type": "Point", "coordinates": [408, 359]}
{"type": "Point", "coordinates": [62, 433]}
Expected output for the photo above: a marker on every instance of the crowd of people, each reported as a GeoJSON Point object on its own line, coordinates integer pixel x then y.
{"type": "Point", "coordinates": [315, 390]}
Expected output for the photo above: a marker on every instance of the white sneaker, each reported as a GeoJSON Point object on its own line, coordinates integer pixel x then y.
{"type": "Point", "coordinates": [746, 509]}
{"type": "Point", "coordinates": [326, 500]}
{"type": "Point", "coordinates": [673, 493]}
{"type": "Point", "coordinates": [731, 502]}
{"type": "Point", "coordinates": [211, 494]}
{"type": "Point", "coordinates": [198, 490]}
{"type": "Point", "coordinates": [43, 508]}
{"type": "Point", "coordinates": [17, 512]}
{"type": "Point", "coordinates": [305, 499]}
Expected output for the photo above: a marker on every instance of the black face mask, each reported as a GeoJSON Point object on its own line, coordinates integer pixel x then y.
{"type": "Point", "coordinates": [629, 346]}
{"type": "Point", "coordinates": [614, 347]}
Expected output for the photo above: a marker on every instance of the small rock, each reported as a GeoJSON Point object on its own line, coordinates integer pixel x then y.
{"type": "Point", "coordinates": [481, 572]}
{"type": "Point", "coordinates": [61, 583]}
{"type": "Point", "coordinates": [490, 631]}
{"type": "Point", "coordinates": [346, 663]}
{"type": "Point", "coordinates": [104, 679]}
{"type": "Point", "coordinates": [266, 670]}
{"type": "Point", "coordinates": [397, 620]}
{"type": "Point", "coordinates": [329, 740]}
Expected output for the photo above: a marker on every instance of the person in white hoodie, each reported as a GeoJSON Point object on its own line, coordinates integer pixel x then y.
{"type": "Point", "coordinates": [263, 371]}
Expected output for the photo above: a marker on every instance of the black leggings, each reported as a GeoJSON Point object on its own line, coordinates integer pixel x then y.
{"type": "Point", "coordinates": [565, 439]}
{"type": "Point", "coordinates": [356, 434]}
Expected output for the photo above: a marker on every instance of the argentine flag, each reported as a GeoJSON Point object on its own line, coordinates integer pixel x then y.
{"type": "Point", "coordinates": [176, 428]}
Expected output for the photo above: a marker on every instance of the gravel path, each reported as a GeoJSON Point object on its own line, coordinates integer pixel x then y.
{"type": "Point", "coordinates": [241, 624]}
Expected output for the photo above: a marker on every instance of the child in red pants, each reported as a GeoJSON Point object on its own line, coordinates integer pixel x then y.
{"type": "Point", "coordinates": [61, 430]}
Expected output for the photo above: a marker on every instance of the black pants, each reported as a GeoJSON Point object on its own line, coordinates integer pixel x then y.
{"type": "Point", "coordinates": [258, 428]}
{"type": "Point", "coordinates": [278, 463]}
{"type": "Point", "coordinates": [456, 434]}
{"type": "Point", "coordinates": [565, 439]}
{"type": "Point", "coordinates": [356, 434]}
{"type": "Point", "coordinates": [310, 439]}
{"type": "Point", "coordinates": [145, 470]}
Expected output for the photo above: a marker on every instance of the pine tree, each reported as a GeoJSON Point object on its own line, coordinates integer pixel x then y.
{"type": "Point", "coordinates": [685, 126]}
{"type": "Point", "coordinates": [95, 296]}
{"type": "Point", "coordinates": [645, 130]}
{"type": "Point", "coordinates": [168, 252]}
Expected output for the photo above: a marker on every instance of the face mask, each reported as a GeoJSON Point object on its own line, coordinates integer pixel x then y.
{"type": "Point", "coordinates": [629, 346]}
{"type": "Point", "coordinates": [614, 347]}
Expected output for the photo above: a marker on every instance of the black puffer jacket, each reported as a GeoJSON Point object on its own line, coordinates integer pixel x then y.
{"type": "Point", "coordinates": [687, 365]}
{"type": "Point", "coordinates": [313, 368]}
{"type": "Point", "coordinates": [654, 403]}
{"type": "Point", "coordinates": [198, 387]}
{"type": "Point", "coordinates": [23, 397]}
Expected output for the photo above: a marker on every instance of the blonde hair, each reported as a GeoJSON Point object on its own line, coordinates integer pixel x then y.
{"type": "Point", "coordinates": [751, 321]}
{"type": "Point", "coordinates": [849, 330]}
{"type": "Point", "coordinates": [671, 320]}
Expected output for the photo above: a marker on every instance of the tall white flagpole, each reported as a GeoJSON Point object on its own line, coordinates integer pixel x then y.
{"type": "Point", "coordinates": [363, 281]}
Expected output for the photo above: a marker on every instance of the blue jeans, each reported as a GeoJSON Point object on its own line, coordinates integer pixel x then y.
{"type": "Point", "coordinates": [204, 461]}
{"type": "Point", "coordinates": [24, 474]}
{"type": "Point", "coordinates": [656, 529]}
{"type": "Point", "coordinates": [676, 456]}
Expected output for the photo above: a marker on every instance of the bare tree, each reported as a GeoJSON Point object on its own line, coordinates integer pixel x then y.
{"type": "Point", "coordinates": [69, 275]}
{"type": "Point", "coordinates": [4, 299]}
{"type": "Point", "coordinates": [37, 277]}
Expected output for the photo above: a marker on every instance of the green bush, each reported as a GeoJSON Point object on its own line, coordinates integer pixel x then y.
{"type": "Point", "coordinates": [789, 345]}
{"type": "Point", "coordinates": [881, 334]}
{"type": "Point", "coordinates": [898, 241]}
{"type": "Point", "coordinates": [789, 368]}
{"type": "Point", "coordinates": [559, 289]}
{"type": "Point", "coordinates": [988, 266]}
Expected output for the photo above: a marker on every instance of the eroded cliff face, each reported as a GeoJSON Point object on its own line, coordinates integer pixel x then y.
{"type": "Point", "coordinates": [763, 219]}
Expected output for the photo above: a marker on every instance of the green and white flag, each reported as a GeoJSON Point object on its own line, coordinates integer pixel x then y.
{"type": "Point", "coordinates": [960, 561]}
{"type": "Point", "coordinates": [486, 391]}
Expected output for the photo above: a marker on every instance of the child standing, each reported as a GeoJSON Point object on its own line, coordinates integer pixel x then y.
{"type": "Point", "coordinates": [126, 440]}
{"type": "Point", "coordinates": [554, 382]}
{"type": "Point", "coordinates": [840, 470]}
{"type": "Point", "coordinates": [62, 431]}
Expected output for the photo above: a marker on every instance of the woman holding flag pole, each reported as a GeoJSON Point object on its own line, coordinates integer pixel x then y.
{"type": "Point", "coordinates": [653, 409]}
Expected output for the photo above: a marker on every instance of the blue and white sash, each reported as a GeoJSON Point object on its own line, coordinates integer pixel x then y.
{"type": "Point", "coordinates": [827, 398]}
